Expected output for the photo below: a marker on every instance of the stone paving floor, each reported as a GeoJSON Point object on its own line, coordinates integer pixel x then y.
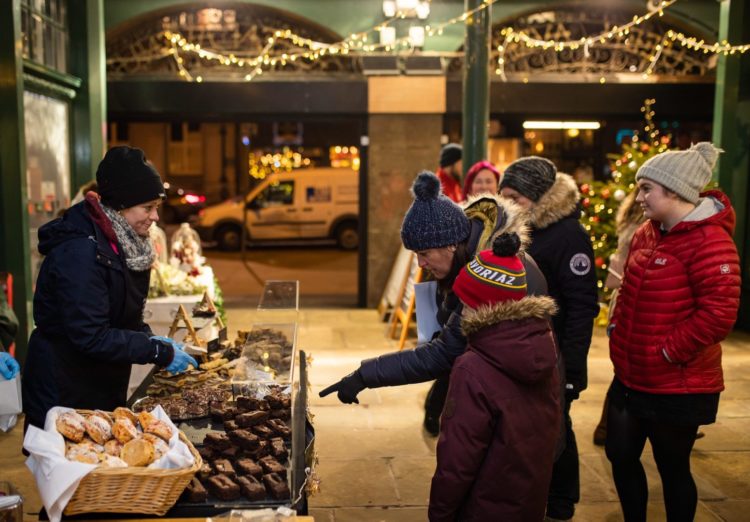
{"type": "Point", "coordinates": [375, 462]}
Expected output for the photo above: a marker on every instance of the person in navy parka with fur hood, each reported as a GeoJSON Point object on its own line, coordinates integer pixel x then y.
{"type": "Point", "coordinates": [91, 292]}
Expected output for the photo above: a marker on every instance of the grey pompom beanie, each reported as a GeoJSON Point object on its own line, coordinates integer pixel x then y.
{"type": "Point", "coordinates": [433, 220]}
{"type": "Point", "coordinates": [684, 172]}
{"type": "Point", "coordinates": [531, 176]}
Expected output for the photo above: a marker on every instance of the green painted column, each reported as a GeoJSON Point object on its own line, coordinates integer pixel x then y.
{"type": "Point", "coordinates": [476, 84]}
{"type": "Point", "coordinates": [87, 62]}
{"type": "Point", "coordinates": [731, 132]}
{"type": "Point", "coordinates": [14, 220]}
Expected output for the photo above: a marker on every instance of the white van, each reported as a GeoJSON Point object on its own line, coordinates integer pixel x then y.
{"type": "Point", "coordinates": [310, 203]}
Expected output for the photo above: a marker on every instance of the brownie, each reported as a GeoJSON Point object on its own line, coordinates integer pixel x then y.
{"type": "Point", "coordinates": [230, 425]}
{"type": "Point", "coordinates": [251, 488]}
{"type": "Point", "coordinates": [224, 413]}
{"type": "Point", "coordinates": [245, 420]}
{"type": "Point", "coordinates": [276, 486]}
{"type": "Point", "coordinates": [197, 410]}
{"type": "Point", "coordinates": [262, 431]}
{"type": "Point", "coordinates": [278, 450]}
{"type": "Point", "coordinates": [194, 492]}
{"type": "Point", "coordinates": [261, 451]}
{"type": "Point", "coordinates": [283, 413]}
{"type": "Point", "coordinates": [217, 440]}
{"type": "Point", "coordinates": [224, 467]}
{"type": "Point", "coordinates": [206, 453]}
{"type": "Point", "coordinates": [232, 452]}
{"type": "Point", "coordinates": [244, 439]}
{"type": "Point", "coordinates": [223, 488]}
{"type": "Point", "coordinates": [279, 427]}
{"type": "Point", "coordinates": [205, 471]}
{"type": "Point", "coordinates": [271, 465]}
{"type": "Point", "coordinates": [276, 402]}
{"type": "Point", "coordinates": [248, 403]}
{"type": "Point", "coordinates": [248, 467]}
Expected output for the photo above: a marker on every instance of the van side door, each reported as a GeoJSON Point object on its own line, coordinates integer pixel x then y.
{"type": "Point", "coordinates": [275, 216]}
{"type": "Point", "coordinates": [316, 208]}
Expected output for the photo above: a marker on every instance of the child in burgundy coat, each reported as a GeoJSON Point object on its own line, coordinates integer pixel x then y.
{"type": "Point", "coordinates": [501, 419]}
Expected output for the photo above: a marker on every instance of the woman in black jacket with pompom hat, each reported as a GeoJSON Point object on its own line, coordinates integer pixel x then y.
{"type": "Point", "coordinates": [445, 237]}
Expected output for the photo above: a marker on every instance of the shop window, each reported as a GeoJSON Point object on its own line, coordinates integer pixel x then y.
{"type": "Point", "coordinates": [44, 29]}
{"type": "Point", "coordinates": [47, 137]}
{"type": "Point", "coordinates": [185, 149]}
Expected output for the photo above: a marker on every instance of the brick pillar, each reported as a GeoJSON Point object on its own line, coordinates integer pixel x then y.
{"type": "Point", "coordinates": [405, 125]}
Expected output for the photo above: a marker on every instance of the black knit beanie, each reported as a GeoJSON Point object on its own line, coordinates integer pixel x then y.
{"type": "Point", "coordinates": [433, 220]}
{"type": "Point", "coordinates": [450, 154]}
{"type": "Point", "coordinates": [531, 176]}
{"type": "Point", "coordinates": [125, 179]}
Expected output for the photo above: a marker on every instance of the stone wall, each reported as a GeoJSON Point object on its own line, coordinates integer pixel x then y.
{"type": "Point", "coordinates": [400, 146]}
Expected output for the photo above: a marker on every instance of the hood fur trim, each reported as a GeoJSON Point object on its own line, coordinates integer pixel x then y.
{"type": "Point", "coordinates": [486, 208]}
{"type": "Point", "coordinates": [557, 203]}
{"type": "Point", "coordinates": [536, 307]}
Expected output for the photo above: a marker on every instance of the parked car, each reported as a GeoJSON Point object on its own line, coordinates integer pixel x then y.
{"type": "Point", "coordinates": [311, 203]}
{"type": "Point", "coordinates": [180, 204]}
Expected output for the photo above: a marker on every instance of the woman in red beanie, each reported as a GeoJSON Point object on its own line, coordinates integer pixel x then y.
{"type": "Point", "coordinates": [482, 177]}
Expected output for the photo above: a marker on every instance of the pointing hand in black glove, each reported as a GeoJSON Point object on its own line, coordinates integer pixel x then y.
{"type": "Point", "coordinates": [347, 388]}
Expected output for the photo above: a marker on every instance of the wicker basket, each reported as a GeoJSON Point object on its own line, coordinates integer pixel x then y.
{"type": "Point", "coordinates": [132, 489]}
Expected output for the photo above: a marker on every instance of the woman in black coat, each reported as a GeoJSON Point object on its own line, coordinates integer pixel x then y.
{"type": "Point", "coordinates": [445, 238]}
{"type": "Point", "coordinates": [91, 292]}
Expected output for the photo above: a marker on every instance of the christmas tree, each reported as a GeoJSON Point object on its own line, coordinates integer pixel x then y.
{"type": "Point", "coordinates": [601, 199]}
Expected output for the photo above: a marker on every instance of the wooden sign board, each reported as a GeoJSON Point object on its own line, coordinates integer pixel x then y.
{"type": "Point", "coordinates": [401, 267]}
{"type": "Point", "coordinates": [404, 310]}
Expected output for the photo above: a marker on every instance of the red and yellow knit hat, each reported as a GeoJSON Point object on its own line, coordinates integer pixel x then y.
{"type": "Point", "coordinates": [493, 275]}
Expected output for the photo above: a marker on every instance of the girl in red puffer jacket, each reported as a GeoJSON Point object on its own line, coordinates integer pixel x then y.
{"type": "Point", "coordinates": [678, 301]}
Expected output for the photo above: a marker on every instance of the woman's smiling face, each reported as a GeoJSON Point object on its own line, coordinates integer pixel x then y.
{"type": "Point", "coordinates": [140, 217]}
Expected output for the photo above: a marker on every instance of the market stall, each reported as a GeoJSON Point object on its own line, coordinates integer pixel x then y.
{"type": "Point", "coordinates": [241, 415]}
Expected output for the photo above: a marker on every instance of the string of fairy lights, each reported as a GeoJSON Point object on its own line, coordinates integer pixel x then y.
{"type": "Point", "coordinates": [360, 43]}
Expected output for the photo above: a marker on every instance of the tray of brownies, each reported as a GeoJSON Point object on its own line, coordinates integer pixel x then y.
{"type": "Point", "coordinates": [240, 409]}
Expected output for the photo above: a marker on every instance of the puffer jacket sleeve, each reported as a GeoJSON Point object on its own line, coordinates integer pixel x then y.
{"type": "Point", "coordinates": [426, 362]}
{"type": "Point", "coordinates": [714, 275]}
{"type": "Point", "coordinates": [578, 296]}
{"type": "Point", "coordinates": [84, 308]}
{"type": "Point", "coordinates": [466, 431]}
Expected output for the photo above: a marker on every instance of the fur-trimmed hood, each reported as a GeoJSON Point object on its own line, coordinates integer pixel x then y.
{"type": "Point", "coordinates": [498, 215]}
{"type": "Point", "coordinates": [557, 203]}
{"type": "Point", "coordinates": [515, 337]}
{"type": "Point", "coordinates": [536, 307]}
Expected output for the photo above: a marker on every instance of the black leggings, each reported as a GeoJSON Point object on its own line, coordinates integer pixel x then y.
{"type": "Point", "coordinates": [671, 444]}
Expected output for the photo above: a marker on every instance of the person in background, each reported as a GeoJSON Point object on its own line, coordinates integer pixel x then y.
{"type": "Point", "coordinates": [678, 300]}
{"type": "Point", "coordinates": [450, 171]}
{"type": "Point", "coordinates": [91, 292]}
{"type": "Point", "coordinates": [499, 428]}
{"type": "Point", "coordinates": [563, 251]}
{"type": "Point", "coordinates": [8, 328]}
{"type": "Point", "coordinates": [482, 177]}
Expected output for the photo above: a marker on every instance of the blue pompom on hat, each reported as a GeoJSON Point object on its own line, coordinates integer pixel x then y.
{"type": "Point", "coordinates": [433, 220]}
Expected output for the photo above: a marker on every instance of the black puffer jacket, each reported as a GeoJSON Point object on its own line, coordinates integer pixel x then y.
{"type": "Point", "coordinates": [563, 251]}
{"type": "Point", "coordinates": [490, 216]}
{"type": "Point", "coordinates": [88, 310]}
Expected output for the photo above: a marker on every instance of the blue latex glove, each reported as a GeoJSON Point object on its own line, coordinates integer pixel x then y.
{"type": "Point", "coordinates": [8, 366]}
{"type": "Point", "coordinates": [168, 340]}
{"type": "Point", "coordinates": [180, 362]}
